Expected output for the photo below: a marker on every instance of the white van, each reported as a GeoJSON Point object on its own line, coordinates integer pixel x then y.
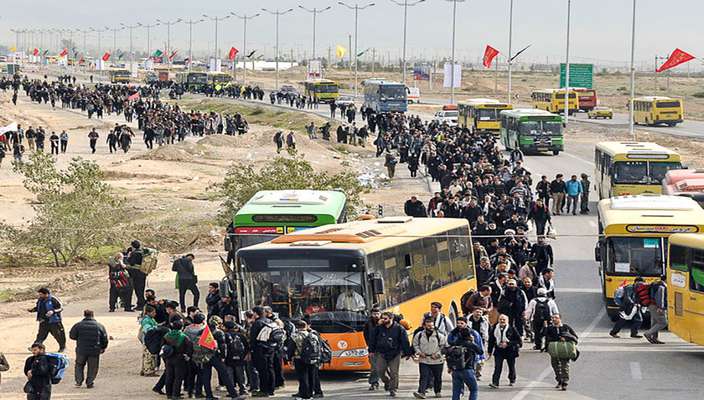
{"type": "Point", "coordinates": [448, 115]}
{"type": "Point", "coordinates": [413, 95]}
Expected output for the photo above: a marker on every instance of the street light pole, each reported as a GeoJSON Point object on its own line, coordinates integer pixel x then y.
{"type": "Point", "coordinates": [510, 50]}
{"type": "Point", "coordinates": [315, 13]}
{"type": "Point", "coordinates": [149, 37]}
{"type": "Point", "coordinates": [217, 50]}
{"type": "Point", "coordinates": [633, 73]}
{"type": "Point", "coordinates": [168, 36]}
{"type": "Point", "coordinates": [99, 33]}
{"type": "Point", "coordinates": [277, 13]}
{"type": "Point", "coordinates": [567, 65]}
{"type": "Point", "coordinates": [356, 9]}
{"type": "Point", "coordinates": [131, 27]}
{"type": "Point", "coordinates": [405, 4]}
{"type": "Point", "coordinates": [452, 68]}
{"type": "Point", "coordinates": [244, 18]}
{"type": "Point", "coordinates": [190, 23]}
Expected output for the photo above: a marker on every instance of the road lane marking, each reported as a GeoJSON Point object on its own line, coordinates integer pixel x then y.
{"type": "Point", "coordinates": [584, 160]}
{"type": "Point", "coordinates": [546, 372]}
{"type": "Point", "coordinates": [635, 371]}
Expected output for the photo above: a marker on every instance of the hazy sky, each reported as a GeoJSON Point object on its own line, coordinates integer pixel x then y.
{"type": "Point", "coordinates": [600, 28]}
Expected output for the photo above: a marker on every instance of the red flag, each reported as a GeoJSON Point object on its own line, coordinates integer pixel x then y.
{"type": "Point", "coordinates": [233, 53]}
{"type": "Point", "coordinates": [106, 56]}
{"type": "Point", "coordinates": [35, 52]}
{"type": "Point", "coordinates": [63, 52]}
{"type": "Point", "coordinates": [676, 58]}
{"type": "Point", "coordinates": [134, 97]}
{"type": "Point", "coordinates": [206, 339]}
{"type": "Point", "coordinates": [173, 54]}
{"type": "Point", "coordinates": [489, 55]}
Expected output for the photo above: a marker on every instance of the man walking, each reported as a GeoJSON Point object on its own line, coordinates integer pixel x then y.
{"type": "Point", "coordinates": [556, 333]}
{"type": "Point", "coordinates": [460, 362]}
{"type": "Point", "coordinates": [584, 201]}
{"type": "Point", "coordinates": [390, 340]}
{"type": "Point", "coordinates": [539, 313]}
{"type": "Point", "coordinates": [134, 267]}
{"type": "Point", "coordinates": [557, 191]}
{"type": "Point", "coordinates": [574, 189]}
{"type": "Point", "coordinates": [48, 311]}
{"type": "Point", "coordinates": [441, 323]}
{"type": "Point", "coordinates": [504, 344]}
{"type": "Point", "coordinates": [63, 138]}
{"type": "Point", "coordinates": [262, 353]}
{"type": "Point", "coordinates": [428, 344]}
{"type": "Point", "coordinates": [91, 341]}
{"type": "Point", "coordinates": [629, 310]}
{"type": "Point", "coordinates": [38, 372]}
{"type": "Point", "coordinates": [187, 280]}
{"type": "Point", "coordinates": [658, 310]}
{"type": "Point", "coordinates": [93, 137]}
{"type": "Point", "coordinates": [369, 332]}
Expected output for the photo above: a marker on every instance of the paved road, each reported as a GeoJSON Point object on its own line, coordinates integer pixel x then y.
{"type": "Point", "coordinates": [688, 128]}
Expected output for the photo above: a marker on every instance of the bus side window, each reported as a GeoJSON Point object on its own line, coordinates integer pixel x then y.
{"type": "Point", "coordinates": [461, 262]}
{"type": "Point", "coordinates": [696, 273]}
{"type": "Point", "coordinates": [390, 274]}
{"type": "Point", "coordinates": [444, 266]}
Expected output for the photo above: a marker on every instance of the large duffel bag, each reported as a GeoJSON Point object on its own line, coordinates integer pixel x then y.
{"type": "Point", "coordinates": [563, 350]}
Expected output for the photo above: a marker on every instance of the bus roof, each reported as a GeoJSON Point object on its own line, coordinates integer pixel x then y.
{"type": "Point", "coordinates": [634, 151]}
{"type": "Point", "coordinates": [380, 82]}
{"type": "Point", "coordinates": [528, 112]}
{"type": "Point", "coordinates": [693, 240]}
{"type": "Point", "coordinates": [369, 236]}
{"type": "Point", "coordinates": [552, 90]}
{"type": "Point", "coordinates": [295, 202]}
{"type": "Point", "coordinates": [653, 98]}
{"type": "Point", "coordinates": [480, 101]}
{"type": "Point", "coordinates": [319, 80]}
{"type": "Point", "coordinates": [649, 213]}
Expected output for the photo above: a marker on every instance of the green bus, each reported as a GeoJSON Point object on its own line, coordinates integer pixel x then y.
{"type": "Point", "coordinates": [271, 213]}
{"type": "Point", "coordinates": [532, 131]}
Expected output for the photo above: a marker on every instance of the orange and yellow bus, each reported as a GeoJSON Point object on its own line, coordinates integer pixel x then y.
{"type": "Point", "coordinates": [402, 264]}
{"type": "Point", "coordinates": [685, 284]}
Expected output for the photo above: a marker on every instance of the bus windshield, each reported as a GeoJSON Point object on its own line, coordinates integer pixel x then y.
{"type": "Point", "coordinates": [540, 127]}
{"type": "Point", "coordinates": [635, 256]}
{"type": "Point", "coordinates": [246, 240]}
{"type": "Point", "coordinates": [396, 92]}
{"type": "Point", "coordinates": [642, 171]}
{"type": "Point", "coordinates": [330, 88]}
{"type": "Point", "coordinates": [488, 114]}
{"type": "Point", "coordinates": [197, 78]}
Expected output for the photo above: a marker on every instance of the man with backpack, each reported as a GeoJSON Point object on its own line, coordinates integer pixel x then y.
{"type": "Point", "coordinates": [629, 309]}
{"type": "Point", "coordinates": [428, 344]}
{"type": "Point", "coordinates": [461, 357]}
{"type": "Point", "coordinates": [658, 310]}
{"type": "Point", "coordinates": [91, 341]}
{"type": "Point", "coordinates": [147, 324]}
{"type": "Point", "coordinates": [287, 329]}
{"type": "Point", "coordinates": [388, 343]}
{"type": "Point", "coordinates": [135, 257]}
{"type": "Point", "coordinates": [440, 321]}
{"type": "Point", "coordinates": [39, 373]}
{"type": "Point", "coordinates": [266, 337]}
{"type": "Point", "coordinates": [305, 354]}
{"type": "Point", "coordinates": [48, 309]}
{"type": "Point", "coordinates": [237, 355]}
{"type": "Point", "coordinates": [369, 332]}
{"type": "Point", "coordinates": [187, 280]}
{"type": "Point", "coordinates": [176, 350]}
{"type": "Point", "coordinates": [539, 312]}
{"type": "Point", "coordinates": [119, 283]}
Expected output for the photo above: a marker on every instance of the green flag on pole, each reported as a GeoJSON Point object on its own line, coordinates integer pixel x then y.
{"type": "Point", "coordinates": [157, 53]}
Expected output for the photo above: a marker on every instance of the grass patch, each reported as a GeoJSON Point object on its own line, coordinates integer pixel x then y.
{"type": "Point", "coordinates": [6, 295]}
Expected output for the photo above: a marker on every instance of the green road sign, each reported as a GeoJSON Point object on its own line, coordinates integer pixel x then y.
{"type": "Point", "coordinates": [581, 75]}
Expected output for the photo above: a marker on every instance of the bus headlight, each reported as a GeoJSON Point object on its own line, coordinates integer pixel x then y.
{"type": "Point", "coordinates": [354, 353]}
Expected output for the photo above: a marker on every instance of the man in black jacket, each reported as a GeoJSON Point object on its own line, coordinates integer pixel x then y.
{"type": "Point", "coordinates": [187, 280]}
{"type": "Point", "coordinates": [135, 258]}
{"type": "Point", "coordinates": [504, 344]}
{"type": "Point", "coordinates": [38, 371]}
{"type": "Point", "coordinates": [388, 343]}
{"type": "Point", "coordinates": [262, 354]}
{"type": "Point", "coordinates": [212, 300]}
{"type": "Point", "coordinates": [91, 341]}
{"type": "Point", "coordinates": [559, 332]}
{"type": "Point", "coordinates": [463, 374]}
{"type": "Point", "coordinates": [414, 208]}
{"type": "Point", "coordinates": [369, 332]}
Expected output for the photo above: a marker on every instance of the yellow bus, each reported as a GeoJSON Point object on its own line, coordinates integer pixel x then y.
{"type": "Point", "coordinates": [401, 263]}
{"type": "Point", "coordinates": [623, 168]}
{"type": "Point", "coordinates": [120, 76]}
{"type": "Point", "coordinates": [553, 100]}
{"type": "Point", "coordinates": [325, 90]}
{"type": "Point", "coordinates": [655, 110]}
{"type": "Point", "coordinates": [633, 235]}
{"type": "Point", "coordinates": [482, 115]}
{"type": "Point", "coordinates": [685, 284]}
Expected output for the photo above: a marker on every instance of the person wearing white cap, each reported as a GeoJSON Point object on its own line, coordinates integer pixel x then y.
{"type": "Point", "coordinates": [539, 311]}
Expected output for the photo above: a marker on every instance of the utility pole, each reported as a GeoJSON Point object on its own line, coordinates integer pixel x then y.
{"type": "Point", "coordinates": [356, 9]}
{"type": "Point", "coordinates": [567, 65]}
{"type": "Point", "coordinates": [131, 27]}
{"type": "Point", "coordinates": [149, 37]}
{"type": "Point", "coordinates": [99, 33]}
{"type": "Point", "coordinates": [315, 13]}
{"type": "Point", "coordinates": [452, 69]}
{"type": "Point", "coordinates": [405, 4]}
{"type": "Point", "coordinates": [510, 54]}
{"type": "Point", "coordinates": [190, 23]}
{"type": "Point", "coordinates": [245, 18]}
{"type": "Point", "coordinates": [168, 37]}
{"type": "Point", "coordinates": [114, 39]}
{"type": "Point", "coordinates": [277, 14]}
{"type": "Point", "coordinates": [633, 73]}
{"type": "Point", "coordinates": [216, 56]}
{"type": "Point", "coordinates": [373, 61]}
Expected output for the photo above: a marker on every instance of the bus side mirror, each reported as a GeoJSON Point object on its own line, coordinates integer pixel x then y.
{"type": "Point", "coordinates": [228, 243]}
{"type": "Point", "coordinates": [597, 250]}
{"type": "Point", "coordinates": [377, 284]}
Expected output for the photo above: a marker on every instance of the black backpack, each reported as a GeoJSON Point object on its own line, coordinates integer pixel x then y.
{"type": "Point", "coordinates": [153, 339]}
{"type": "Point", "coordinates": [236, 349]}
{"type": "Point", "coordinates": [325, 351]}
{"type": "Point", "coordinates": [311, 349]}
{"type": "Point", "coordinates": [542, 311]}
{"type": "Point", "coordinates": [455, 356]}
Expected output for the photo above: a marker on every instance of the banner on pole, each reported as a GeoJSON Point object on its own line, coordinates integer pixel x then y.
{"type": "Point", "coordinates": [340, 52]}
{"type": "Point", "coordinates": [489, 54]}
{"type": "Point", "coordinates": [315, 69]}
{"type": "Point", "coordinates": [421, 72]}
{"type": "Point", "coordinates": [232, 54]}
{"type": "Point", "coordinates": [676, 58]}
{"type": "Point", "coordinates": [448, 71]}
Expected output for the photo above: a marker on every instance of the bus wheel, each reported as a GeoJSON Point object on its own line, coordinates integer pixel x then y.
{"type": "Point", "coordinates": [453, 314]}
{"type": "Point", "coordinates": [555, 152]}
{"type": "Point", "coordinates": [671, 124]}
